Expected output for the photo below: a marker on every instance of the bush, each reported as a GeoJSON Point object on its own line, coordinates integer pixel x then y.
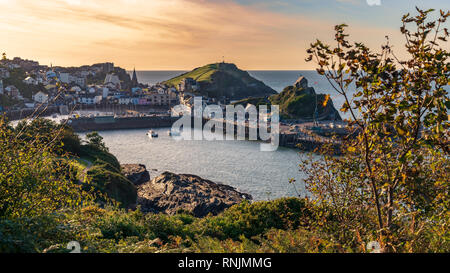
{"type": "Point", "coordinates": [29, 235]}
{"type": "Point", "coordinates": [121, 225]}
{"type": "Point", "coordinates": [94, 154]}
{"type": "Point", "coordinates": [254, 219]}
{"type": "Point", "coordinates": [113, 184]}
{"type": "Point", "coordinates": [164, 226]}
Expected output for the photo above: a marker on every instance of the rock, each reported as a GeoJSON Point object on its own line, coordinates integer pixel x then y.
{"type": "Point", "coordinates": [170, 193]}
{"type": "Point", "coordinates": [136, 173]}
{"type": "Point", "coordinates": [301, 83]}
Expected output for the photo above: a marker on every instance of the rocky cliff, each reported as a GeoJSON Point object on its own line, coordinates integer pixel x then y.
{"type": "Point", "coordinates": [299, 101]}
{"type": "Point", "coordinates": [170, 193]}
{"type": "Point", "coordinates": [136, 173]}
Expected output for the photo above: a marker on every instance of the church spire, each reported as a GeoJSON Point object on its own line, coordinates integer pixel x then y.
{"type": "Point", "coordinates": [134, 79]}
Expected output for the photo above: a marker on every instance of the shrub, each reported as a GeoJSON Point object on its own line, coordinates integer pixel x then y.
{"type": "Point", "coordinates": [164, 226]}
{"type": "Point", "coordinates": [253, 219]}
{"type": "Point", "coordinates": [113, 184]}
{"type": "Point", "coordinates": [120, 225]}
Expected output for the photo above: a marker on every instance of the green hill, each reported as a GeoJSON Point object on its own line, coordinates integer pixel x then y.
{"type": "Point", "coordinates": [298, 102]}
{"type": "Point", "coordinates": [224, 80]}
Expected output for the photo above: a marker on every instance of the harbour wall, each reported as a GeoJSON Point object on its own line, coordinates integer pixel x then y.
{"type": "Point", "coordinates": [86, 124]}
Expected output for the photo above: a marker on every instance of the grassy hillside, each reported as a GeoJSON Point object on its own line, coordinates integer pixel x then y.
{"type": "Point", "coordinates": [273, 226]}
{"type": "Point", "coordinates": [199, 74]}
{"type": "Point", "coordinates": [297, 103]}
{"type": "Point", "coordinates": [224, 79]}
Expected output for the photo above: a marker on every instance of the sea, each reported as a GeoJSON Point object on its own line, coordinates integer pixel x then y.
{"type": "Point", "coordinates": [241, 164]}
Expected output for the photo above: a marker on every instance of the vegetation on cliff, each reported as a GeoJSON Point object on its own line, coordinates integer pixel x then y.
{"type": "Point", "coordinates": [50, 158]}
{"type": "Point", "coordinates": [298, 101]}
{"type": "Point", "coordinates": [224, 80]}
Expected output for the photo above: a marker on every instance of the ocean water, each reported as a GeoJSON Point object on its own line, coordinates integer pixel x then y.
{"type": "Point", "coordinates": [241, 164]}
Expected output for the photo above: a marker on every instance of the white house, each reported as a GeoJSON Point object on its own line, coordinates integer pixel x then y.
{"type": "Point", "coordinates": [81, 81]}
{"type": "Point", "coordinates": [30, 80]}
{"type": "Point", "coordinates": [86, 99]}
{"type": "Point", "coordinates": [29, 104]}
{"type": "Point", "coordinates": [40, 97]}
{"type": "Point", "coordinates": [98, 99]}
{"type": "Point", "coordinates": [125, 100]}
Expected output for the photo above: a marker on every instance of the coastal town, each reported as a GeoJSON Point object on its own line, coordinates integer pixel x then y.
{"type": "Point", "coordinates": [27, 84]}
{"type": "Point", "coordinates": [26, 87]}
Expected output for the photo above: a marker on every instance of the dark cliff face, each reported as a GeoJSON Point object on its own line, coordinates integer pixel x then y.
{"type": "Point", "coordinates": [124, 77]}
{"type": "Point", "coordinates": [136, 173]}
{"type": "Point", "coordinates": [299, 102]}
{"type": "Point", "coordinates": [170, 193]}
{"type": "Point", "coordinates": [302, 101]}
{"type": "Point", "coordinates": [234, 87]}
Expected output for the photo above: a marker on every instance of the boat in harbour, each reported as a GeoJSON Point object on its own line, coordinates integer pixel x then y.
{"type": "Point", "coordinates": [152, 134]}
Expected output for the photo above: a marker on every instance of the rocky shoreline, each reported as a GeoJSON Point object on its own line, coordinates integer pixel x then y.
{"type": "Point", "coordinates": [171, 193]}
{"type": "Point", "coordinates": [136, 173]}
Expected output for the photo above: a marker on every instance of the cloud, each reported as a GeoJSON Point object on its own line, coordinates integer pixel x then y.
{"type": "Point", "coordinates": [165, 34]}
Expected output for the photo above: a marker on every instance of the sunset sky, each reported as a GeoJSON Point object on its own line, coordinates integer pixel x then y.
{"type": "Point", "coordinates": [183, 34]}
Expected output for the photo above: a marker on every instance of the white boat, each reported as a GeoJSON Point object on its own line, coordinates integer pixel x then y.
{"type": "Point", "coordinates": [152, 134]}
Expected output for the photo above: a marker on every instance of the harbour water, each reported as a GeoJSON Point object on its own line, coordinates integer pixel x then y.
{"type": "Point", "coordinates": [241, 164]}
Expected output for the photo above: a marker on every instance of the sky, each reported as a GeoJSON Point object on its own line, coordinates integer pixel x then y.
{"type": "Point", "coordinates": [184, 34]}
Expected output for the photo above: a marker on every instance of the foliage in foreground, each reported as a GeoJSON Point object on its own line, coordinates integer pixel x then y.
{"type": "Point", "coordinates": [38, 174]}
{"type": "Point", "coordinates": [279, 226]}
{"type": "Point", "coordinates": [270, 226]}
{"type": "Point", "coordinates": [392, 182]}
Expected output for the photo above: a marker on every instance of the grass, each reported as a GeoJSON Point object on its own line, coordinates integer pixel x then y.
{"type": "Point", "coordinates": [203, 73]}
